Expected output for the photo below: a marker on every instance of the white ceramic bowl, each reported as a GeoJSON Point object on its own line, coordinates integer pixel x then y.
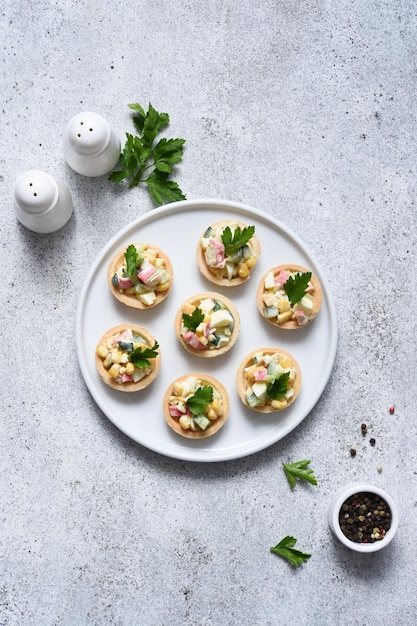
{"type": "Point", "coordinates": [336, 504]}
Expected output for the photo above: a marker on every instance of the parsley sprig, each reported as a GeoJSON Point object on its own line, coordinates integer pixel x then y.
{"type": "Point", "coordinates": [233, 242]}
{"type": "Point", "coordinates": [140, 358]}
{"type": "Point", "coordinates": [194, 320]}
{"type": "Point", "coordinates": [299, 470]}
{"type": "Point", "coordinates": [285, 548]}
{"type": "Point", "coordinates": [278, 388]}
{"type": "Point", "coordinates": [295, 286]}
{"type": "Point", "coordinates": [143, 160]}
{"type": "Point", "coordinates": [132, 260]}
{"type": "Point", "coordinates": [201, 398]}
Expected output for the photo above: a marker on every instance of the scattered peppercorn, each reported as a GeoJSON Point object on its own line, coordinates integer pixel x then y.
{"type": "Point", "coordinates": [392, 410]}
{"type": "Point", "coordinates": [352, 452]}
{"type": "Point", "coordinates": [372, 441]}
{"type": "Point", "coordinates": [365, 517]}
{"type": "Point", "coordinates": [363, 429]}
{"type": "Point", "coordinates": [379, 468]}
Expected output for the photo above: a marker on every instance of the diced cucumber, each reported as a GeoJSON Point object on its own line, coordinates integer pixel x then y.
{"type": "Point", "coordinates": [252, 401]}
{"type": "Point", "coordinates": [217, 305]}
{"type": "Point", "coordinates": [230, 270]}
{"type": "Point", "coordinates": [273, 369]}
{"type": "Point", "coordinates": [258, 358]}
{"type": "Point", "coordinates": [202, 421]}
{"type": "Point", "coordinates": [270, 312]}
{"type": "Point", "coordinates": [126, 346]}
{"type": "Point", "coordinates": [209, 232]}
{"type": "Point", "coordinates": [246, 252]}
{"type": "Point", "coordinates": [115, 280]}
{"type": "Point", "coordinates": [236, 257]}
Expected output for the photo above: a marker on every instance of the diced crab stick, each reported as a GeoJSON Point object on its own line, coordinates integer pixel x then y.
{"type": "Point", "coordinates": [176, 411]}
{"type": "Point", "coordinates": [193, 341]}
{"type": "Point", "coordinates": [124, 282]}
{"type": "Point", "coordinates": [260, 374]}
{"type": "Point", "coordinates": [301, 317]}
{"type": "Point", "coordinates": [126, 378]}
{"type": "Point", "coordinates": [126, 335]}
{"type": "Point", "coordinates": [214, 253]}
{"type": "Point", "coordinates": [282, 277]}
{"type": "Point", "coordinates": [145, 274]}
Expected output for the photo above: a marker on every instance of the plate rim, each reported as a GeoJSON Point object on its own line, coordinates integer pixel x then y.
{"type": "Point", "coordinates": [187, 454]}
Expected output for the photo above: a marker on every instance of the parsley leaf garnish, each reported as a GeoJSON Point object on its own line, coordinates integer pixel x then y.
{"type": "Point", "coordinates": [295, 286]}
{"type": "Point", "coordinates": [278, 388]}
{"type": "Point", "coordinates": [198, 402]}
{"type": "Point", "coordinates": [285, 548]}
{"type": "Point", "coordinates": [300, 470]}
{"type": "Point", "coordinates": [232, 243]}
{"type": "Point", "coordinates": [140, 358]}
{"type": "Point", "coordinates": [132, 260]}
{"type": "Point", "coordinates": [144, 161]}
{"type": "Point", "coordinates": [194, 320]}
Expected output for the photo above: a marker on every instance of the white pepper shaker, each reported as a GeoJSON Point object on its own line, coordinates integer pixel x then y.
{"type": "Point", "coordinates": [91, 147]}
{"type": "Point", "coordinates": [42, 204]}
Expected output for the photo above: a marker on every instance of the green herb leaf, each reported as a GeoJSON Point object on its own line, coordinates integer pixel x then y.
{"type": "Point", "coordinates": [198, 402]}
{"type": "Point", "coordinates": [194, 320]}
{"type": "Point", "coordinates": [279, 387]}
{"type": "Point", "coordinates": [300, 470]}
{"type": "Point", "coordinates": [295, 287]}
{"type": "Point", "coordinates": [140, 358]}
{"type": "Point", "coordinates": [232, 243]}
{"type": "Point", "coordinates": [144, 161]}
{"type": "Point", "coordinates": [285, 548]}
{"type": "Point", "coordinates": [132, 260]}
{"type": "Point", "coordinates": [161, 189]}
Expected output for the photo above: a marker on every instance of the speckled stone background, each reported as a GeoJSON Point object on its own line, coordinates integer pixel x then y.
{"type": "Point", "coordinates": [307, 111]}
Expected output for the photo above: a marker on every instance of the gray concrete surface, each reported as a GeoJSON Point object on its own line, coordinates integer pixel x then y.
{"type": "Point", "coordinates": [307, 111]}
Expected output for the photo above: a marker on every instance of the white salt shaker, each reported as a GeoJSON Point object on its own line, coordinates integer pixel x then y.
{"type": "Point", "coordinates": [91, 147]}
{"type": "Point", "coordinates": [42, 204]}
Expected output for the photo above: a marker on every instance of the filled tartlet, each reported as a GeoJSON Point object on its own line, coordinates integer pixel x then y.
{"type": "Point", "coordinates": [268, 380]}
{"type": "Point", "coordinates": [196, 405]}
{"type": "Point", "coordinates": [207, 324]}
{"type": "Point", "coordinates": [140, 275]}
{"type": "Point", "coordinates": [227, 252]}
{"type": "Point", "coordinates": [289, 296]}
{"type": "Point", "coordinates": [128, 357]}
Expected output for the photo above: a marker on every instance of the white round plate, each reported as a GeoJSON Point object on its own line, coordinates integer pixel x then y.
{"type": "Point", "coordinates": [176, 229]}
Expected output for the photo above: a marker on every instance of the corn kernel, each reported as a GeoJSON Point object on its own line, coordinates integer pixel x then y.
{"type": "Point", "coordinates": [163, 286]}
{"type": "Point", "coordinates": [101, 351]}
{"type": "Point", "coordinates": [251, 262]}
{"type": "Point", "coordinates": [185, 422]}
{"type": "Point", "coordinates": [278, 404]}
{"type": "Point", "coordinates": [130, 368]}
{"type": "Point", "coordinates": [284, 317]}
{"type": "Point", "coordinates": [114, 371]}
{"type": "Point", "coordinates": [211, 414]}
{"type": "Point", "coordinates": [285, 363]}
{"type": "Point", "coordinates": [188, 308]}
{"type": "Point", "coordinates": [242, 270]}
{"type": "Point", "coordinates": [216, 405]}
{"type": "Point", "coordinates": [284, 306]}
{"type": "Point", "coordinates": [116, 356]}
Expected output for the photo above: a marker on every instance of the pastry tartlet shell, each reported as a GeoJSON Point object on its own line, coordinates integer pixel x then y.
{"type": "Point", "coordinates": [241, 378]}
{"type": "Point", "coordinates": [205, 270]}
{"type": "Point", "coordinates": [130, 299]}
{"type": "Point", "coordinates": [290, 324]}
{"type": "Point", "coordinates": [195, 300]}
{"type": "Point", "coordinates": [215, 426]}
{"type": "Point", "coordinates": [129, 386]}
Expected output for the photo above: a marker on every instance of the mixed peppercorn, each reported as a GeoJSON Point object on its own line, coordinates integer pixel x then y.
{"type": "Point", "coordinates": [365, 518]}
